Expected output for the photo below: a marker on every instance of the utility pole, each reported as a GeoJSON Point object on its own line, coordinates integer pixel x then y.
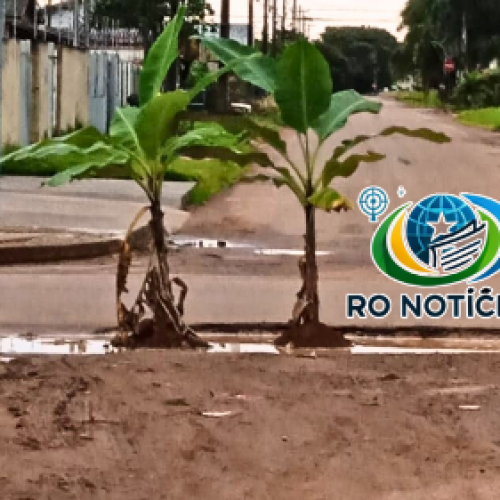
{"type": "Point", "coordinates": [294, 17]}
{"type": "Point", "coordinates": [225, 16]}
{"type": "Point", "coordinates": [465, 41]}
{"type": "Point", "coordinates": [2, 32]}
{"type": "Point", "coordinates": [75, 23]}
{"type": "Point", "coordinates": [283, 24]}
{"type": "Point", "coordinates": [35, 21]}
{"type": "Point", "coordinates": [222, 104]}
{"type": "Point", "coordinates": [49, 13]}
{"type": "Point", "coordinates": [173, 72]}
{"type": "Point", "coordinates": [250, 23]}
{"type": "Point", "coordinates": [265, 32]}
{"type": "Point", "coordinates": [275, 28]}
{"type": "Point", "coordinates": [86, 23]}
{"type": "Point", "coordinates": [59, 12]}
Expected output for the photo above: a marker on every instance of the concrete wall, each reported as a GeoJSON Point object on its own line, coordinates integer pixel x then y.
{"type": "Point", "coordinates": [48, 90]}
{"type": "Point", "coordinates": [73, 92]}
{"type": "Point", "coordinates": [40, 104]}
{"type": "Point", "coordinates": [11, 102]}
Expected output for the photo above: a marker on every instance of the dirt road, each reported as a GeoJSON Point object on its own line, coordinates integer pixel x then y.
{"type": "Point", "coordinates": [346, 427]}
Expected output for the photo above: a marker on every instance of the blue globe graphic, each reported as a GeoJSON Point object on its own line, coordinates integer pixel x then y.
{"type": "Point", "coordinates": [418, 231]}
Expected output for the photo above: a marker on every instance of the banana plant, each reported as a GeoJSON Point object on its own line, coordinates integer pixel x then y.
{"type": "Point", "coordinates": [142, 143]}
{"type": "Point", "coordinates": [301, 84]}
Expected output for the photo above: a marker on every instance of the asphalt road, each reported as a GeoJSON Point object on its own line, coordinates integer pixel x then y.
{"type": "Point", "coordinates": [67, 298]}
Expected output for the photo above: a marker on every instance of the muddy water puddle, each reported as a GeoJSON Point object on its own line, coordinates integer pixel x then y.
{"type": "Point", "coordinates": [13, 346]}
{"type": "Point", "coordinates": [17, 345]}
{"type": "Point", "coordinates": [189, 242]}
{"type": "Point", "coordinates": [416, 345]}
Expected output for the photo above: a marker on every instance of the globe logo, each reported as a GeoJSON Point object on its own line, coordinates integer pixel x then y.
{"type": "Point", "coordinates": [442, 240]}
{"type": "Point", "coordinates": [445, 233]}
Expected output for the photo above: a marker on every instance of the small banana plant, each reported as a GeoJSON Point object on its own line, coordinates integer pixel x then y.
{"type": "Point", "coordinates": [301, 84]}
{"type": "Point", "coordinates": [142, 143]}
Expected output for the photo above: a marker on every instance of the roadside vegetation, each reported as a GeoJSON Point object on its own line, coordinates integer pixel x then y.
{"type": "Point", "coordinates": [438, 56]}
{"type": "Point", "coordinates": [418, 99]}
{"type": "Point", "coordinates": [475, 101]}
{"type": "Point", "coordinates": [487, 118]}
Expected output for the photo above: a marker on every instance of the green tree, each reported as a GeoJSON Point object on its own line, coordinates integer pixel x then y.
{"type": "Point", "coordinates": [466, 30]}
{"type": "Point", "coordinates": [358, 57]}
{"type": "Point", "coordinates": [302, 86]}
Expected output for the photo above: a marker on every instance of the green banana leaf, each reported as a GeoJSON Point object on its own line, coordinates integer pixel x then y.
{"type": "Point", "coordinates": [303, 85]}
{"type": "Point", "coordinates": [342, 106]}
{"type": "Point", "coordinates": [157, 121]}
{"type": "Point", "coordinates": [259, 70]}
{"type": "Point", "coordinates": [160, 57]}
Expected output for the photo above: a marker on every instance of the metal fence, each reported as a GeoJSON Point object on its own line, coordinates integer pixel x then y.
{"type": "Point", "coordinates": [111, 82]}
{"type": "Point", "coordinates": [49, 89]}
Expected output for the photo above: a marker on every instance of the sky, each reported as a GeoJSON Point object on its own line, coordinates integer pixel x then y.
{"type": "Point", "coordinates": [378, 13]}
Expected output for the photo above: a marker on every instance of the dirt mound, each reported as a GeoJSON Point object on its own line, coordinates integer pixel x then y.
{"type": "Point", "coordinates": [249, 426]}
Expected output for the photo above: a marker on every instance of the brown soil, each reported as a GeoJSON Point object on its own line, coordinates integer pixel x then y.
{"type": "Point", "coordinates": [346, 427]}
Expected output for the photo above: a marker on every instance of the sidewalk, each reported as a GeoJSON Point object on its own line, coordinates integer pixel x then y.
{"type": "Point", "coordinates": [81, 220]}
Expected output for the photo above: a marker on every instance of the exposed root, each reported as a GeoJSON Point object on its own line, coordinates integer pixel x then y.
{"type": "Point", "coordinates": [155, 320]}
{"type": "Point", "coordinates": [304, 331]}
{"type": "Point", "coordinates": [300, 311]}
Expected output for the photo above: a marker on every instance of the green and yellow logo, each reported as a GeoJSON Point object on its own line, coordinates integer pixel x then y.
{"type": "Point", "coordinates": [442, 240]}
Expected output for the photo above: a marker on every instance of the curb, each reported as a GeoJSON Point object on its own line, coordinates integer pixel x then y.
{"type": "Point", "coordinates": [37, 254]}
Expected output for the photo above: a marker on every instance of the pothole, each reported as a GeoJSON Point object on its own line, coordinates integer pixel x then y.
{"type": "Point", "coordinates": [208, 243]}
{"type": "Point", "coordinates": [242, 348]}
{"type": "Point", "coordinates": [13, 346]}
{"type": "Point", "coordinates": [187, 242]}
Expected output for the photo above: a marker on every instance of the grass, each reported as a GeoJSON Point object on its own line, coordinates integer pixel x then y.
{"type": "Point", "coordinates": [419, 99]}
{"type": "Point", "coordinates": [488, 118]}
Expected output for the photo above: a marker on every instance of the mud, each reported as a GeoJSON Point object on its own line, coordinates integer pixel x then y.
{"type": "Point", "coordinates": [174, 425]}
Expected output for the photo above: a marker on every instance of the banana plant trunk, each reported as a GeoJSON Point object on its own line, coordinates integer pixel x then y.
{"type": "Point", "coordinates": [311, 268]}
{"type": "Point", "coordinates": [167, 317]}
{"type": "Point", "coordinates": [158, 230]}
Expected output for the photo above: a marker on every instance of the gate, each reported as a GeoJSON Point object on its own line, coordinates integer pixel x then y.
{"type": "Point", "coordinates": [111, 81]}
